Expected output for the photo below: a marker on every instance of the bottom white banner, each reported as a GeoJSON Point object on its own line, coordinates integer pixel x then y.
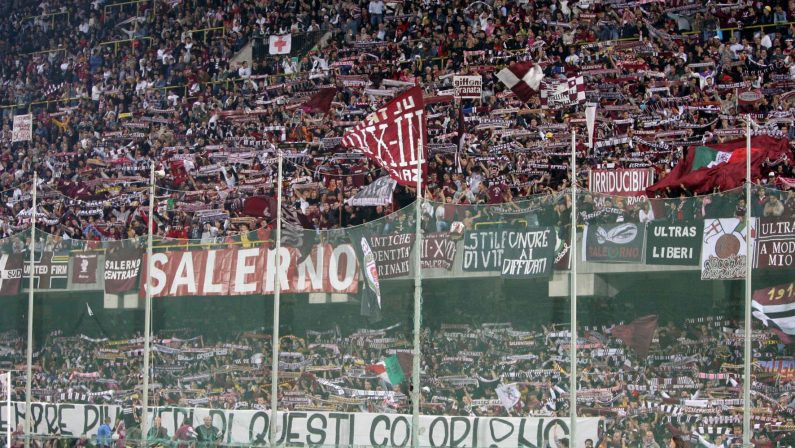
{"type": "Point", "coordinates": [250, 427]}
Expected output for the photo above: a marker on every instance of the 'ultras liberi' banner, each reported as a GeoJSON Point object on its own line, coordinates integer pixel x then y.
{"type": "Point", "coordinates": [723, 252]}
{"type": "Point", "coordinates": [674, 244]}
{"type": "Point", "coordinates": [524, 253]}
{"type": "Point", "coordinates": [614, 243]}
{"type": "Point", "coordinates": [621, 182]}
{"type": "Point", "coordinates": [236, 271]}
{"type": "Point", "coordinates": [250, 427]}
{"type": "Point", "coordinates": [775, 246]}
{"type": "Point", "coordinates": [393, 135]}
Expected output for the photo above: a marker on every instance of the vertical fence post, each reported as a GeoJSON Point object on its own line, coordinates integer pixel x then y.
{"type": "Point", "coordinates": [416, 346]}
{"type": "Point", "coordinates": [747, 339]}
{"type": "Point", "coordinates": [148, 305]}
{"type": "Point", "coordinates": [8, 408]}
{"type": "Point", "coordinates": [573, 299]}
{"type": "Point", "coordinates": [29, 361]}
{"type": "Point", "coordinates": [276, 299]}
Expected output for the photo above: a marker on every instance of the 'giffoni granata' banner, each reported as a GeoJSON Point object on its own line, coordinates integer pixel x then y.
{"type": "Point", "coordinates": [241, 271]}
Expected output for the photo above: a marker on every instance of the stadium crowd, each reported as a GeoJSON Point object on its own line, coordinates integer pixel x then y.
{"type": "Point", "coordinates": [212, 121]}
{"type": "Point", "coordinates": [681, 389]}
{"type": "Point", "coordinates": [113, 89]}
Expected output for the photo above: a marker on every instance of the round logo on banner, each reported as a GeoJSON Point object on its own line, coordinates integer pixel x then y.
{"type": "Point", "coordinates": [750, 96]}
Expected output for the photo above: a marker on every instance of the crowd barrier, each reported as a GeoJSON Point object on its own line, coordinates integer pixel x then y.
{"type": "Point", "coordinates": [447, 325]}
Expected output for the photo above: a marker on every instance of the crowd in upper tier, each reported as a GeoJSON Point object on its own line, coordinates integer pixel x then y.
{"type": "Point", "coordinates": [114, 86]}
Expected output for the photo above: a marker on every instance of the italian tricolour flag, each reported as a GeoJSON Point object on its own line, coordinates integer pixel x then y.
{"type": "Point", "coordinates": [709, 157]}
{"type": "Point", "coordinates": [388, 370]}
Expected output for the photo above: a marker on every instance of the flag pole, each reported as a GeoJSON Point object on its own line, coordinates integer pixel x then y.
{"type": "Point", "coordinates": [573, 298]}
{"type": "Point", "coordinates": [148, 304]}
{"type": "Point", "coordinates": [277, 290]}
{"type": "Point", "coordinates": [415, 358]}
{"type": "Point", "coordinates": [29, 364]}
{"type": "Point", "coordinates": [747, 348]}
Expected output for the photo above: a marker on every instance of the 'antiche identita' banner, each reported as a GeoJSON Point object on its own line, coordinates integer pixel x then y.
{"type": "Point", "coordinates": [673, 243]}
{"type": "Point", "coordinates": [392, 254]}
{"type": "Point", "coordinates": [524, 253]}
{"type": "Point", "coordinates": [238, 271]}
{"type": "Point", "coordinates": [250, 427]}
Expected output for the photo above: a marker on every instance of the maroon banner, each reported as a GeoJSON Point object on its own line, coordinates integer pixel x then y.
{"type": "Point", "coordinates": [392, 254]}
{"type": "Point", "coordinates": [438, 251]}
{"type": "Point", "coordinates": [84, 268]}
{"type": "Point", "coordinates": [122, 266]}
{"type": "Point", "coordinates": [223, 272]}
{"type": "Point", "coordinates": [775, 243]}
{"type": "Point", "coordinates": [10, 273]}
{"type": "Point", "coordinates": [392, 135]}
{"type": "Point", "coordinates": [630, 182]}
{"type": "Point", "coordinates": [775, 295]}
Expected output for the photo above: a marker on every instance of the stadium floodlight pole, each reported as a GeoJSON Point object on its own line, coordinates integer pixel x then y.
{"type": "Point", "coordinates": [148, 304]}
{"type": "Point", "coordinates": [573, 298]}
{"type": "Point", "coordinates": [29, 364]}
{"type": "Point", "coordinates": [417, 345]}
{"type": "Point", "coordinates": [277, 295]}
{"type": "Point", "coordinates": [748, 258]}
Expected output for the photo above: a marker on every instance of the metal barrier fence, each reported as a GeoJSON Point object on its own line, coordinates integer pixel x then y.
{"type": "Point", "coordinates": [559, 320]}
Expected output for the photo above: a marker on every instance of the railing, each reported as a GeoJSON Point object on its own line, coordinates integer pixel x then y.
{"type": "Point", "coordinates": [51, 15]}
{"type": "Point", "coordinates": [116, 43]}
{"type": "Point", "coordinates": [205, 32]}
{"type": "Point", "coordinates": [137, 4]}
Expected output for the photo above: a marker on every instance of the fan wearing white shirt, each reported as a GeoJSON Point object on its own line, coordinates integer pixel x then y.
{"type": "Point", "coordinates": [244, 71]}
{"type": "Point", "coordinates": [376, 10]}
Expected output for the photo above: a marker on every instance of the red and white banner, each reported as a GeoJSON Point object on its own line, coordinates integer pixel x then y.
{"type": "Point", "coordinates": [280, 44]}
{"type": "Point", "coordinates": [223, 272]}
{"type": "Point", "coordinates": [630, 182]}
{"type": "Point", "coordinates": [392, 136]}
{"type": "Point", "coordinates": [22, 130]}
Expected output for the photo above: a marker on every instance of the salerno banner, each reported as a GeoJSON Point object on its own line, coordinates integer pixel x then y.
{"type": "Point", "coordinates": [775, 244]}
{"type": "Point", "coordinates": [518, 253]}
{"type": "Point", "coordinates": [614, 243]}
{"type": "Point", "coordinates": [122, 268]}
{"type": "Point", "coordinates": [239, 271]}
{"type": "Point", "coordinates": [723, 251]}
{"type": "Point", "coordinates": [315, 428]}
{"type": "Point", "coordinates": [674, 243]}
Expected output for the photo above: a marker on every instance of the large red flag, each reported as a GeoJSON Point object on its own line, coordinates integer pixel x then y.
{"type": "Point", "coordinates": [392, 136]}
{"type": "Point", "coordinates": [320, 102]}
{"type": "Point", "coordinates": [637, 334]}
{"type": "Point", "coordinates": [723, 166]}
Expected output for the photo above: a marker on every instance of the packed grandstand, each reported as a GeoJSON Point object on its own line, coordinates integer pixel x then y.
{"type": "Point", "coordinates": [209, 103]}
